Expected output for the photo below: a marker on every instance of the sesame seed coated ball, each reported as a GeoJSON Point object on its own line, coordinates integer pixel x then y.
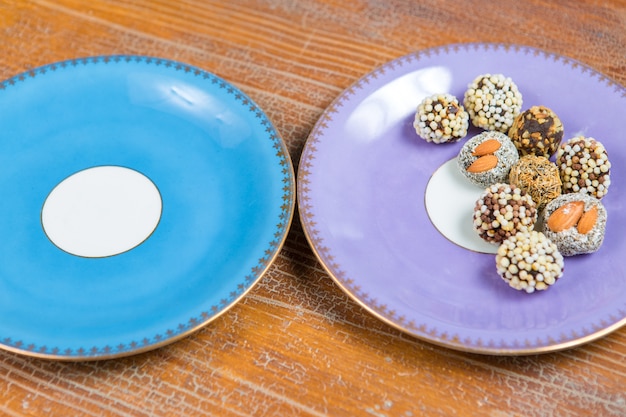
{"type": "Point", "coordinates": [529, 261]}
{"type": "Point", "coordinates": [440, 118]}
{"type": "Point", "coordinates": [502, 211]}
{"type": "Point", "coordinates": [487, 158]}
{"type": "Point", "coordinates": [575, 222]}
{"type": "Point", "coordinates": [584, 166]}
{"type": "Point", "coordinates": [538, 176]}
{"type": "Point", "coordinates": [538, 131]}
{"type": "Point", "coordinates": [493, 101]}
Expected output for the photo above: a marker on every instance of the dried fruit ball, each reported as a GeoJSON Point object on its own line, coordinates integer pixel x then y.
{"type": "Point", "coordinates": [537, 131]}
{"type": "Point", "coordinates": [575, 222]}
{"type": "Point", "coordinates": [487, 158]}
{"type": "Point", "coordinates": [584, 166]}
{"type": "Point", "coordinates": [492, 102]}
{"type": "Point", "coordinates": [538, 176]}
{"type": "Point", "coordinates": [440, 118]}
{"type": "Point", "coordinates": [502, 211]}
{"type": "Point", "coordinates": [529, 261]}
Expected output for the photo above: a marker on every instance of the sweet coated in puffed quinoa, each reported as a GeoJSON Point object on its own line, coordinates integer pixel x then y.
{"type": "Point", "coordinates": [584, 166]}
{"type": "Point", "coordinates": [537, 131]}
{"type": "Point", "coordinates": [529, 261]}
{"type": "Point", "coordinates": [492, 101]}
{"type": "Point", "coordinates": [503, 210]}
{"type": "Point", "coordinates": [440, 118]}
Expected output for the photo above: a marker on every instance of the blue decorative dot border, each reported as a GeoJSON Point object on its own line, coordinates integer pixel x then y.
{"type": "Point", "coordinates": [273, 247]}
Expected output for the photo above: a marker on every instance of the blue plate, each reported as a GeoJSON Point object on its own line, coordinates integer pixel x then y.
{"type": "Point", "coordinates": [221, 191]}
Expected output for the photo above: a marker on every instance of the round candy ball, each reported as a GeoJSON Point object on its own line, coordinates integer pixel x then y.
{"type": "Point", "coordinates": [537, 131]}
{"type": "Point", "coordinates": [529, 261]}
{"type": "Point", "coordinates": [492, 102]}
{"type": "Point", "coordinates": [487, 158]}
{"type": "Point", "coordinates": [575, 222]}
{"type": "Point", "coordinates": [440, 118]}
{"type": "Point", "coordinates": [584, 166]}
{"type": "Point", "coordinates": [538, 176]}
{"type": "Point", "coordinates": [502, 211]}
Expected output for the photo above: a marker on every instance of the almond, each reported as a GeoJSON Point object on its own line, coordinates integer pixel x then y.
{"type": "Point", "coordinates": [588, 220]}
{"type": "Point", "coordinates": [482, 164]}
{"type": "Point", "coordinates": [487, 147]}
{"type": "Point", "coordinates": [566, 216]}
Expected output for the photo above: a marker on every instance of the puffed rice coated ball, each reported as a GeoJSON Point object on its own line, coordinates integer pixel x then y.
{"type": "Point", "coordinates": [529, 261]}
{"type": "Point", "coordinates": [493, 101]}
{"type": "Point", "coordinates": [440, 118]}
{"type": "Point", "coordinates": [584, 166]}
{"type": "Point", "coordinates": [503, 210]}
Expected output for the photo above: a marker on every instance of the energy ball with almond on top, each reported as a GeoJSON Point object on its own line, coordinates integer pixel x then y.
{"type": "Point", "coordinates": [487, 158]}
{"type": "Point", "coordinates": [576, 223]}
{"type": "Point", "coordinates": [440, 118]}
{"type": "Point", "coordinates": [537, 131]}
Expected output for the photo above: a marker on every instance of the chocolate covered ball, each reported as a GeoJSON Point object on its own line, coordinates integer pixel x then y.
{"type": "Point", "coordinates": [537, 131]}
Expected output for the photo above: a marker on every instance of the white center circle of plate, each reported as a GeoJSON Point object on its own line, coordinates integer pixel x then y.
{"type": "Point", "coordinates": [450, 199]}
{"type": "Point", "coordinates": [101, 211]}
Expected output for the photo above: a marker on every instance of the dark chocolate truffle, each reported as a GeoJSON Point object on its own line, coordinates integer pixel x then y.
{"type": "Point", "coordinates": [537, 131]}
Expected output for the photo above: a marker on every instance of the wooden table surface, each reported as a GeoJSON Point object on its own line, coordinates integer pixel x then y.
{"type": "Point", "coordinates": [296, 345]}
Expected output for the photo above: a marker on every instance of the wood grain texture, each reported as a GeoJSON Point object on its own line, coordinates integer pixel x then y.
{"type": "Point", "coordinates": [297, 345]}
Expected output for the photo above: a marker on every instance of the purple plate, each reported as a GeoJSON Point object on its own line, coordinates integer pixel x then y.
{"type": "Point", "coordinates": [361, 186]}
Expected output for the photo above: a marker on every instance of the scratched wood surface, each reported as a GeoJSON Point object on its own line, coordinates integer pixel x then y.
{"type": "Point", "coordinates": [296, 345]}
